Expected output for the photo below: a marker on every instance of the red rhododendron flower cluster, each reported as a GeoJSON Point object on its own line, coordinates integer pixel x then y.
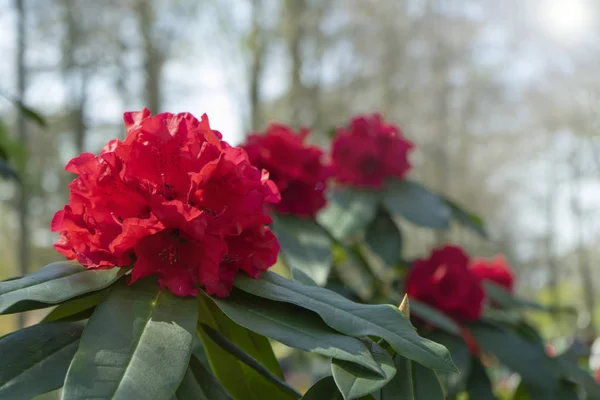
{"type": "Point", "coordinates": [369, 151]}
{"type": "Point", "coordinates": [445, 282]}
{"type": "Point", "coordinates": [495, 270]}
{"type": "Point", "coordinates": [172, 199]}
{"type": "Point", "coordinates": [297, 168]}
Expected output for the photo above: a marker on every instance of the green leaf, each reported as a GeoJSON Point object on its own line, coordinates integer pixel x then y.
{"type": "Point", "coordinates": [352, 319]}
{"type": "Point", "coordinates": [200, 384]}
{"type": "Point", "coordinates": [417, 204]}
{"type": "Point", "coordinates": [500, 296]}
{"type": "Point", "coordinates": [325, 389]}
{"type": "Point", "coordinates": [247, 359]}
{"type": "Point", "coordinates": [35, 359]}
{"type": "Point", "coordinates": [300, 276]}
{"type": "Point", "coordinates": [354, 273]}
{"type": "Point", "coordinates": [75, 307]}
{"type": "Point", "coordinates": [238, 378]}
{"type": "Point", "coordinates": [355, 381]}
{"type": "Point", "coordinates": [574, 373]}
{"type": "Point", "coordinates": [53, 284]}
{"type": "Point", "coordinates": [453, 382]}
{"type": "Point", "coordinates": [565, 391]}
{"type": "Point", "coordinates": [294, 327]}
{"type": "Point", "coordinates": [384, 238]}
{"type": "Point", "coordinates": [136, 345]}
{"type": "Point", "coordinates": [467, 219]}
{"type": "Point", "coordinates": [348, 212]}
{"type": "Point", "coordinates": [304, 245]}
{"type": "Point", "coordinates": [30, 114]}
{"type": "Point", "coordinates": [479, 385]}
{"type": "Point", "coordinates": [6, 171]}
{"type": "Point", "coordinates": [434, 317]}
{"type": "Point", "coordinates": [412, 382]}
{"type": "Point", "coordinates": [518, 354]}
{"type": "Point", "coordinates": [53, 395]}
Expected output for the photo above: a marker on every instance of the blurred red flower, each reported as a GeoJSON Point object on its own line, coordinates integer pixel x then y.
{"type": "Point", "coordinates": [445, 282]}
{"type": "Point", "coordinates": [297, 168]}
{"type": "Point", "coordinates": [172, 199]}
{"type": "Point", "coordinates": [369, 151]}
{"type": "Point", "coordinates": [495, 269]}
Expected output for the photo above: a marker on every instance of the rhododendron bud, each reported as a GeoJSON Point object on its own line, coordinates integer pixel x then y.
{"type": "Point", "coordinates": [297, 168]}
{"type": "Point", "coordinates": [369, 151]}
{"type": "Point", "coordinates": [445, 282]}
{"type": "Point", "coordinates": [172, 199]}
{"type": "Point", "coordinates": [495, 269]}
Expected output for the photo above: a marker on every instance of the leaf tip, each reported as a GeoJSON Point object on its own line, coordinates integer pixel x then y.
{"type": "Point", "coordinates": [404, 306]}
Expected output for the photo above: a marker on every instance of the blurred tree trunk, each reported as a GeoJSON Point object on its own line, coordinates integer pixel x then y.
{"type": "Point", "coordinates": [441, 65]}
{"type": "Point", "coordinates": [76, 75]}
{"type": "Point", "coordinates": [153, 59]}
{"type": "Point", "coordinates": [23, 197]}
{"type": "Point", "coordinates": [583, 262]}
{"type": "Point", "coordinates": [257, 54]}
{"type": "Point", "coordinates": [295, 14]}
{"type": "Point", "coordinates": [549, 242]}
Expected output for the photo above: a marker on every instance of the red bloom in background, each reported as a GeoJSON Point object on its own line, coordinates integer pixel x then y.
{"type": "Point", "coordinates": [296, 168]}
{"type": "Point", "coordinates": [172, 199]}
{"type": "Point", "coordinates": [369, 151]}
{"type": "Point", "coordinates": [495, 269]}
{"type": "Point", "coordinates": [445, 282]}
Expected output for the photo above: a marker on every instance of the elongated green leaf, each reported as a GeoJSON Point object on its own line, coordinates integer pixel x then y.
{"type": "Point", "coordinates": [353, 319]}
{"type": "Point", "coordinates": [325, 389]}
{"type": "Point", "coordinates": [354, 273]}
{"type": "Point", "coordinates": [76, 307]}
{"type": "Point", "coordinates": [136, 345]}
{"type": "Point", "coordinates": [564, 391]}
{"type": "Point", "coordinates": [35, 359]}
{"type": "Point", "coordinates": [242, 381]}
{"type": "Point", "coordinates": [53, 284]}
{"type": "Point", "coordinates": [501, 297]}
{"type": "Point", "coordinates": [384, 238]}
{"type": "Point", "coordinates": [574, 373]}
{"type": "Point", "coordinates": [53, 395]}
{"type": "Point", "coordinates": [402, 386]}
{"type": "Point", "coordinates": [412, 382]}
{"type": "Point", "coordinates": [304, 245]}
{"type": "Point", "coordinates": [247, 359]}
{"type": "Point", "coordinates": [295, 327]}
{"type": "Point", "coordinates": [300, 276]}
{"type": "Point", "coordinates": [426, 383]}
{"type": "Point", "coordinates": [479, 385]}
{"type": "Point", "coordinates": [518, 354]}
{"type": "Point", "coordinates": [200, 384]}
{"type": "Point", "coordinates": [467, 219]}
{"type": "Point", "coordinates": [355, 381]}
{"type": "Point", "coordinates": [251, 342]}
{"type": "Point", "coordinates": [417, 204]}
{"type": "Point", "coordinates": [434, 317]}
{"type": "Point", "coordinates": [348, 212]}
{"type": "Point", "coordinates": [30, 114]}
{"type": "Point", "coordinates": [454, 383]}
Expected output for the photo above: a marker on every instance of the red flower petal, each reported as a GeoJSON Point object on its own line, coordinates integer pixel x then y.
{"type": "Point", "coordinates": [369, 151]}
{"type": "Point", "coordinates": [172, 199]}
{"type": "Point", "coordinates": [297, 169]}
{"type": "Point", "coordinates": [445, 282]}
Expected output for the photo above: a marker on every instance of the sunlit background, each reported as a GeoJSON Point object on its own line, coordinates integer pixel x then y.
{"type": "Point", "coordinates": [502, 98]}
